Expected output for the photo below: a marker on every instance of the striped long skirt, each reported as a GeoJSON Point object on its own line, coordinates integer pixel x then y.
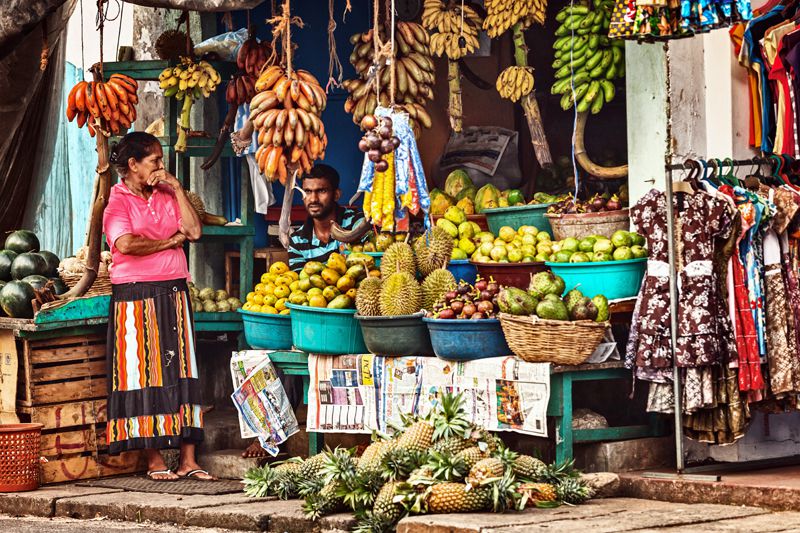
{"type": "Point", "coordinates": [154, 392]}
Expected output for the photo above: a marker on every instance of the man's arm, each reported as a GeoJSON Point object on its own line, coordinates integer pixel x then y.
{"type": "Point", "coordinates": [296, 259]}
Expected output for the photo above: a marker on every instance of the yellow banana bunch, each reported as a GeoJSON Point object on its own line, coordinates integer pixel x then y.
{"type": "Point", "coordinates": [515, 82]}
{"type": "Point", "coordinates": [502, 14]}
{"type": "Point", "coordinates": [454, 32]}
{"type": "Point", "coordinates": [414, 75]}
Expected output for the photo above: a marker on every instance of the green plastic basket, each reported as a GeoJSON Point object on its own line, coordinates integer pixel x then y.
{"type": "Point", "coordinates": [319, 330]}
{"type": "Point", "coordinates": [613, 279]}
{"type": "Point", "coordinates": [521, 215]}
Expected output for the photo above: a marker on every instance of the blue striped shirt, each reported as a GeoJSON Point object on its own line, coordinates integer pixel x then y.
{"type": "Point", "coordinates": [306, 247]}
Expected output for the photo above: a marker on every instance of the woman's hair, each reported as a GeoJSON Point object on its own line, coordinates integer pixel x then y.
{"type": "Point", "coordinates": [137, 145]}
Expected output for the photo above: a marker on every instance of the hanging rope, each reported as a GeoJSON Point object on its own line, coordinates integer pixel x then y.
{"type": "Point", "coordinates": [83, 59]}
{"type": "Point", "coordinates": [383, 51]}
{"type": "Point", "coordinates": [99, 23]}
{"type": "Point", "coordinates": [393, 72]}
{"type": "Point", "coordinates": [281, 31]}
{"type": "Point", "coordinates": [347, 9]}
{"type": "Point", "coordinates": [334, 64]}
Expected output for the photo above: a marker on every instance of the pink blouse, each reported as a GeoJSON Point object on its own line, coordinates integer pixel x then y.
{"type": "Point", "coordinates": [156, 218]}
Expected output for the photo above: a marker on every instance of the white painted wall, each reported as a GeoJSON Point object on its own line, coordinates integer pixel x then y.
{"type": "Point", "coordinates": [91, 37]}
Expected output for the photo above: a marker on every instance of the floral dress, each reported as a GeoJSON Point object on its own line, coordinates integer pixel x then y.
{"type": "Point", "coordinates": [703, 323]}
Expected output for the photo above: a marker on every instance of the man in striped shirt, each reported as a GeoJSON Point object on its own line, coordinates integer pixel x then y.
{"type": "Point", "coordinates": [313, 241]}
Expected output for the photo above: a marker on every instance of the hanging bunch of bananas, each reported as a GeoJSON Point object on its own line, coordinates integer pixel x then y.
{"type": "Point", "coordinates": [502, 14]}
{"type": "Point", "coordinates": [108, 105]}
{"type": "Point", "coordinates": [414, 75]}
{"type": "Point", "coordinates": [188, 81]}
{"type": "Point", "coordinates": [453, 32]}
{"type": "Point", "coordinates": [586, 61]}
{"type": "Point", "coordinates": [252, 55]}
{"type": "Point", "coordinates": [515, 82]}
{"type": "Point", "coordinates": [286, 111]}
{"type": "Point", "coordinates": [240, 90]}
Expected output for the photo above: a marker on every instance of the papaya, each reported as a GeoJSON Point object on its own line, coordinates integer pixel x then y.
{"type": "Point", "coordinates": [467, 192]}
{"type": "Point", "coordinates": [440, 201]}
{"type": "Point", "coordinates": [457, 181]}
{"type": "Point", "coordinates": [487, 197]}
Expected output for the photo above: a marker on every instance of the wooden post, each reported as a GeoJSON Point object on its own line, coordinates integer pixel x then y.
{"type": "Point", "coordinates": [529, 104]}
{"type": "Point", "coordinates": [98, 206]}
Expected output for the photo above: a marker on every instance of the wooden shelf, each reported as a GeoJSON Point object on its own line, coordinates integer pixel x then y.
{"type": "Point", "coordinates": [228, 231]}
{"type": "Point", "coordinates": [150, 69]}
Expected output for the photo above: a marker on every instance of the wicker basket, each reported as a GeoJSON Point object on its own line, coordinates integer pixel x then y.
{"type": "Point", "coordinates": [579, 225]}
{"type": "Point", "coordinates": [536, 340]}
{"type": "Point", "coordinates": [19, 457]}
{"type": "Point", "coordinates": [100, 287]}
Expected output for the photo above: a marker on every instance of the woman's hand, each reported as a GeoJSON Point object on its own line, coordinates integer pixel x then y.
{"type": "Point", "coordinates": [178, 239]}
{"type": "Point", "coordinates": [162, 175]}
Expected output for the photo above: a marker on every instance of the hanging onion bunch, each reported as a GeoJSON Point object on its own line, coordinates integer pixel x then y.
{"type": "Point", "coordinates": [503, 14]}
{"type": "Point", "coordinates": [379, 140]}
{"type": "Point", "coordinates": [414, 75]}
{"type": "Point", "coordinates": [451, 38]}
{"type": "Point", "coordinates": [286, 111]}
{"type": "Point", "coordinates": [109, 105]}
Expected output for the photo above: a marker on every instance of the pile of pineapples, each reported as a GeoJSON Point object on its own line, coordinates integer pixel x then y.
{"type": "Point", "coordinates": [437, 464]}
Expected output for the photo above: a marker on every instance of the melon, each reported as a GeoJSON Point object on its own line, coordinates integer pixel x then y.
{"type": "Point", "coordinates": [15, 299]}
{"type": "Point", "coordinates": [52, 261]}
{"type": "Point", "coordinates": [6, 258]}
{"type": "Point", "coordinates": [59, 287]}
{"type": "Point", "coordinates": [36, 281]}
{"type": "Point", "coordinates": [22, 241]}
{"type": "Point", "coordinates": [28, 264]}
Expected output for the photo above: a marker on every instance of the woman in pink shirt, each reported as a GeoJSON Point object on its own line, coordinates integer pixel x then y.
{"type": "Point", "coordinates": [154, 399]}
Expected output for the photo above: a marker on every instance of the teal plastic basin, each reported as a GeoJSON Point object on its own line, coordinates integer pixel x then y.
{"type": "Point", "coordinates": [613, 279]}
{"type": "Point", "coordinates": [267, 332]}
{"type": "Point", "coordinates": [463, 269]}
{"type": "Point", "coordinates": [396, 335]}
{"type": "Point", "coordinates": [520, 215]}
{"type": "Point", "coordinates": [467, 340]}
{"type": "Point", "coordinates": [319, 330]}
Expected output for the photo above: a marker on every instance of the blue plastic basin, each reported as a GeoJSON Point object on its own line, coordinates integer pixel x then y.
{"type": "Point", "coordinates": [613, 279]}
{"type": "Point", "coordinates": [319, 330]}
{"type": "Point", "coordinates": [267, 332]}
{"type": "Point", "coordinates": [467, 340]}
{"type": "Point", "coordinates": [463, 269]}
{"type": "Point", "coordinates": [519, 215]}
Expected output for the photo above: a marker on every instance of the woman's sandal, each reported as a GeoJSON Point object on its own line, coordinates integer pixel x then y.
{"type": "Point", "coordinates": [167, 472]}
{"type": "Point", "coordinates": [193, 474]}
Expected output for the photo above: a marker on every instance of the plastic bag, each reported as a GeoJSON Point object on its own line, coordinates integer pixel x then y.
{"type": "Point", "coordinates": [225, 45]}
{"type": "Point", "coordinates": [488, 154]}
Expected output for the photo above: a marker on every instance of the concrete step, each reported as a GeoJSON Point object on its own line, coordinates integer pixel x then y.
{"type": "Point", "coordinates": [221, 428]}
{"type": "Point", "coordinates": [228, 464]}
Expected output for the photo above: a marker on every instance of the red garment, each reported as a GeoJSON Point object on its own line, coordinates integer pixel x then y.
{"type": "Point", "coordinates": [778, 74]}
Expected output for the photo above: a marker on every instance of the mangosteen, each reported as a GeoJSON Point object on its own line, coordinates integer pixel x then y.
{"type": "Point", "coordinates": [382, 166]}
{"type": "Point", "coordinates": [385, 132]}
{"type": "Point", "coordinates": [386, 121]}
{"type": "Point", "coordinates": [469, 309]}
{"type": "Point", "coordinates": [457, 306]}
{"type": "Point", "coordinates": [477, 316]}
{"type": "Point", "coordinates": [486, 295]}
{"type": "Point", "coordinates": [374, 156]}
{"type": "Point", "coordinates": [386, 146]}
{"type": "Point", "coordinates": [449, 296]}
{"type": "Point", "coordinates": [373, 142]}
{"type": "Point", "coordinates": [447, 314]}
{"type": "Point", "coordinates": [369, 122]}
{"type": "Point", "coordinates": [463, 289]}
{"type": "Point", "coordinates": [493, 287]}
{"type": "Point", "coordinates": [613, 203]}
{"type": "Point", "coordinates": [395, 142]}
{"type": "Point", "coordinates": [485, 307]}
{"type": "Point", "coordinates": [480, 285]}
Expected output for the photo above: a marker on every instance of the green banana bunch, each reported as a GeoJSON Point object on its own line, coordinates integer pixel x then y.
{"type": "Point", "coordinates": [586, 61]}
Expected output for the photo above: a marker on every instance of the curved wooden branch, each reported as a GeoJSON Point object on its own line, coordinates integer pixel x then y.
{"type": "Point", "coordinates": [222, 138]}
{"type": "Point", "coordinates": [349, 236]}
{"type": "Point", "coordinates": [606, 173]}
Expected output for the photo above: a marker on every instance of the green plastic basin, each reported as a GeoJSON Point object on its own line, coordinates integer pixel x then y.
{"type": "Point", "coordinates": [319, 330]}
{"type": "Point", "coordinates": [267, 332]}
{"type": "Point", "coordinates": [520, 215]}
{"type": "Point", "coordinates": [613, 279]}
{"type": "Point", "coordinates": [396, 335]}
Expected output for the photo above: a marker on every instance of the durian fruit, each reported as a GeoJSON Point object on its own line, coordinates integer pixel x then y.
{"type": "Point", "coordinates": [400, 295]}
{"type": "Point", "coordinates": [399, 257]}
{"type": "Point", "coordinates": [368, 297]}
{"type": "Point", "coordinates": [433, 250]}
{"type": "Point", "coordinates": [435, 285]}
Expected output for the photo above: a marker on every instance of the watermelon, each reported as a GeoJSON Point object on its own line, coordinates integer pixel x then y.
{"type": "Point", "coordinates": [2, 284]}
{"type": "Point", "coordinates": [6, 258]}
{"type": "Point", "coordinates": [22, 241]}
{"type": "Point", "coordinates": [52, 261]}
{"type": "Point", "coordinates": [28, 264]}
{"type": "Point", "coordinates": [15, 299]}
{"type": "Point", "coordinates": [59, 287]}
{"type": "Point", "coordinates": [36, 281]}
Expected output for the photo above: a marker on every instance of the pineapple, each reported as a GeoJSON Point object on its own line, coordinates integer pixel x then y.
{"type": "Point", "coordinates": [324, 502]}
{"type": "Point", "coordinates": [443, 467]}
{"type": "Point", "coordinates": [471, 456]}
{"type": "Point", "coordinates": [452, 445]}
{"type": "Point", "coordinates": [398, 463]}
{"type": "Point", "coordinates": [372, 456]}
{"type": "Point", "coordinates": [258, 481]}
{"type": "Point", "coordinates": [418, 437]}
{"type": "Point", "coordinates": [485, 469]}
{"type": "Point", "coordinates": [539, 492]}
{"type": "Point", "coordinates": [385, 506]}
{"type": "Point", "coordinates": [554, 473]}
{"type": "Point", "coordinates": [488, 441]}
{"type": "Point", "coordinates": [312, 467]}
{"type": "Point", "coordinates": [573, 490]}
{"type": "Point", "coordinates": [338, 465]}
{"type": "Point", "coordinates": [457, 498]}
{"type": "Point", "coordinates": [287, 477]}
{"type": "Point", "coordinates": [449, 419]}
{"type": "Point", "coordinates": [369, 522]}
{"type": "Point", "coordinates": [527, 467]}
{"type": "Point", "coordinates": [505, 493]}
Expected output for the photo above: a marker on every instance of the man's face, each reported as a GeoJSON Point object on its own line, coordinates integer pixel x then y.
{"type": "Point", "coordinates": [320, 198]}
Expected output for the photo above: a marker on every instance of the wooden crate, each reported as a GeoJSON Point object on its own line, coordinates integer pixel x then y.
{"type": "Point", "coordinates": [63, 385]}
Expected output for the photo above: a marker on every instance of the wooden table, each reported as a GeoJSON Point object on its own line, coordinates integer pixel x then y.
{"type": "Point", "coordinates": [295, 363]}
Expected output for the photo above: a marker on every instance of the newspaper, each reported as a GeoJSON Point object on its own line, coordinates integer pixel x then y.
{"type": "Point", "coordinates": [362, 393]}
{"type": "Point", "coordinates": [261, 401]}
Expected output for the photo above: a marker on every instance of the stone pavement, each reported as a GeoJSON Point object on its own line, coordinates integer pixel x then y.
{"type": "Point", "coordinates": [239, 513]}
